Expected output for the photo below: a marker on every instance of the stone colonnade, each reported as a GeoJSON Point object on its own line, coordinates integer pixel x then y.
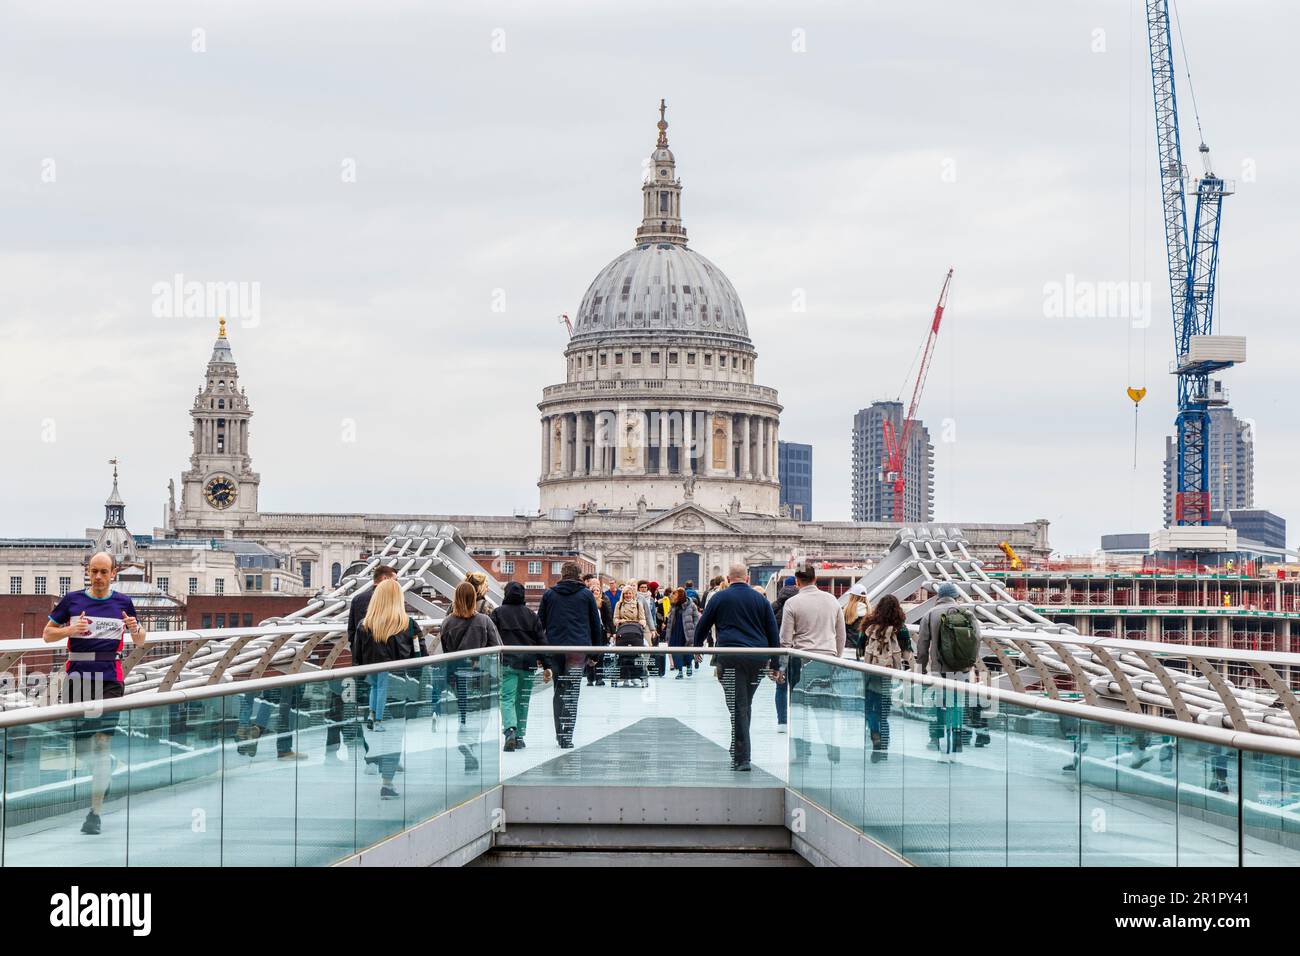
{"type": "Point", "coordinates": [706, 442]}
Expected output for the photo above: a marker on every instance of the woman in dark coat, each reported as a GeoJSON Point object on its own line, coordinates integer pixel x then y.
{"type": "Point", "coordinates": [681, 630]}
{"type": "Point", "coordinates": [467, 628]}
{"type": "Point", "coordinates": [387, 635]}
{"type": "Point", "coordinates": [595, 669]}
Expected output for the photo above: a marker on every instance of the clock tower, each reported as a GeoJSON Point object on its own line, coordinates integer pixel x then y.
{"type": "Point", "coordinates": [219, 491]}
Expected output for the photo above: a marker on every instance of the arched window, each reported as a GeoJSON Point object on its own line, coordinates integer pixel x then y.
{"type": "Point", "coordinates": [336, 573]}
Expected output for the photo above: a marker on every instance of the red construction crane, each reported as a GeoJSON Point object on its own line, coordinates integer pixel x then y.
{"type": "Point", "coordinates": [896, 447]}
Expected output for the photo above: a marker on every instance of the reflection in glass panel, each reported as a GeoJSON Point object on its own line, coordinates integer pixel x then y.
{"type": "Point", "coordinates": [930, 724]}
{"type": "Point", "coordinates": [491, 730]}
{"type": "Point", "coordinates": [1208, 790]}
{"type": "Point", "coordinates": [839, 709]}
{"type": "Point", "coordinates": [1127, 815]}
{"type": "Point", "coordinates": [424, 762]}
{"type": "Point", "coordinates": [1042, 760]}
{"type": "Point", "coordinates": [175, 808]}
{"type": "Point", "coordinates": [381, 785]}
{"type": "Point", "coordinates": [884, 758]}
{"type": "Point", "coordinates": [1270, 790]}
{"type": "Point", "coordinates": [814, 730]}
{"type": "Point", "coordinates": [328, 736]}
{"type": "Point", "coordinates": [469, 718]}
{"type": "Point", "coordinates": [259, 794]}
{"type": "Point", "coordinates": [979, 806]}
{"type": "Point", "coordinates": [62, 779]}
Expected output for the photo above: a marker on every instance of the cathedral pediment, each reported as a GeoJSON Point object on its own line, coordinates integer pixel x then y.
{"type": "Point", "coordinates": [689, 518]}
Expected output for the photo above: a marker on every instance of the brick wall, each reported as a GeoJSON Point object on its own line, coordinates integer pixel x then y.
{"type": "Point", "coordinates": [250, 608]}
{"type": "Point", "coordinates": [24, 615]}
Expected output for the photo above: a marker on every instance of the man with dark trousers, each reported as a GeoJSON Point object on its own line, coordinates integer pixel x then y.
{"type": "Point", "coordinates": [570, 617]}
{"type": "Point", "coordinates": [740, 617]}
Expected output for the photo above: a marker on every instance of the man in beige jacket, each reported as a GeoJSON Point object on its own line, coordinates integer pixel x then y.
{"type": "Point", "coordinates": [813, 621]}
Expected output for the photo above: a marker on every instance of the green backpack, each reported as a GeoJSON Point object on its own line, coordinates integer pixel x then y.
{"type": "Point", "coordinates": [959, 646]}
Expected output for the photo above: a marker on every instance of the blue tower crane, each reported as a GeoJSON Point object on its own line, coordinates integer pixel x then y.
{"type": "Point", "coordinates": [1193, 262]}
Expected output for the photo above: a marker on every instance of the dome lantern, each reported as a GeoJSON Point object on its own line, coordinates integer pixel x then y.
{"type": "Point", "coordinates": [661, 193]}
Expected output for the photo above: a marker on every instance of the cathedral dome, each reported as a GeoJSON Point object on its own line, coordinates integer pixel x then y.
{"type": "Point", "coordinates": [658, 288]}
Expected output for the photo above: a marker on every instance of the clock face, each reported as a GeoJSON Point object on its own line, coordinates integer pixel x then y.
{"type": "Point", "coordinates": [220, 492]}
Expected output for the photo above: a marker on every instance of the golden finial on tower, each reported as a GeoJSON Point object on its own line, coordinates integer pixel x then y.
{"type": "Point", "coordinates": [221, 327]}
{"type": "Point", "coordinates": [663, 126]}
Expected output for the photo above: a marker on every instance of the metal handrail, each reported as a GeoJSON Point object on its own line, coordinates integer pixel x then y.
{"type": "Point", "coordinates": [165, 637]}
{"type": "Point", "coordinates": [1258, 743]}
{"type": "Point", "coordinates": [1159, 648]}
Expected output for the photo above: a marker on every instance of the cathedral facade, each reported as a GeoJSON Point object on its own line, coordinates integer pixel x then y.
{"type": "Point", "coordinates": [658, 453]}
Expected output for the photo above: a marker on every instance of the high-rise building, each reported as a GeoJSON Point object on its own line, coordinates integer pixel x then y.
{"type": "Point", "coordinates": [873, 496]}
{"type": "Point", "coordinates": [1232, 464]}
{"type": "Point", "coordinates": [794, 468]}
{"type": "Point", "coordinates": [1254, 524]}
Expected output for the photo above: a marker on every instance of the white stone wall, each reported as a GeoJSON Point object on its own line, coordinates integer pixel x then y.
{"type": "Point", "coordinates": [178, 565]}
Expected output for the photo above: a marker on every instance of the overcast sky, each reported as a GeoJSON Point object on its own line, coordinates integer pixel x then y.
{"type": "Point", "coordinates": [850, 151]}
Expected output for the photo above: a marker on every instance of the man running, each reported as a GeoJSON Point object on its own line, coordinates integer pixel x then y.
{"type": "Point", "coordinates": [95, 622]}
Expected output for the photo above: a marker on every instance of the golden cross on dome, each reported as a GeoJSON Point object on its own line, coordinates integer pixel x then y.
{"type": "Point", "coordinates": [663, 125]}
{"type": "Point", "coordinates": [221, 328]}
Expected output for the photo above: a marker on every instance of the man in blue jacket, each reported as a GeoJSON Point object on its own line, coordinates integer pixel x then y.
{"type": "Point", "coordinates": [740, 617]}
{"type": "Point", "coordinates": [570, 616]}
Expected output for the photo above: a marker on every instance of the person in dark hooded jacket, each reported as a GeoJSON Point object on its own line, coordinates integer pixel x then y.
{"type": "Point", "coordinates": [570, 618]}
{"type": "Point", "coordinates": [518, 627]}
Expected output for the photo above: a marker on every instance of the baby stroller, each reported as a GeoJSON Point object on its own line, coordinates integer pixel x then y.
{"type": "Point", "coordinates": [631, 667]}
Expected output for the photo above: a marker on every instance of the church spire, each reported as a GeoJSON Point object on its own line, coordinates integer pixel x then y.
{"type": "Point", "coordinates": [221, 354]}
{"type": "Point", "coordinates": [114, 538]}
{"type": "Point", "coordinates": [661, 193]}
{"type": "Point", "coordinates": [114, 507]}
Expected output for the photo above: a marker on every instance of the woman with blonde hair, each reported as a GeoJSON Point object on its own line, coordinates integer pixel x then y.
{"type": "Point", "coordinates": [387, 635]}
{"type": "Point", "coordinates": [855, 615]}
{"type": "Point", "coordinates": [480, 582]}
{"type": "Point", "coordinates": [630, 611]}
